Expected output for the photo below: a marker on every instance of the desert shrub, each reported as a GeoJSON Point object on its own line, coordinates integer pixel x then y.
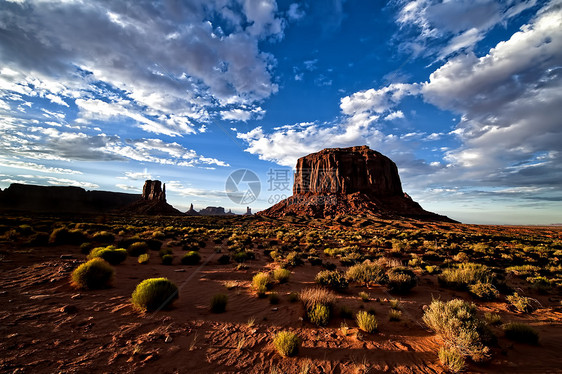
{"type": "Point", "coordinates": [521, 303]}
{"type": "Point", "coordinates": [85, 248]}
{"type": "Point", "coordinates": [286, 343]}
{"type": "Point", "coordinates": [310, 297]}
{"type": "Point", "coordinates": [243, 256]}
{"type": "Point", "coordinates": [165, 251]}
{"type": "Point", "coordinates": [138, 248]}
{"type": "Point", "coordinates": [218, 303]}
{"type": "Point", "coordinates": [261, 282]}
{"type": "Point", "coordinates": [39, 239]}
{"type": "Point", "coordinates": [521, 332]}
{"type": "Point", "coordinates": [366, 321]}
{"type": "Point", "coordinates": [483, 291]}
{"type": "Point", "coordinates": [458, 325]}
{"type": "Point", "coordinates": [401, 280]}
{"type": "Point", "coordinates": [366, 273]}
{"type": "Point", "coordinates": [293, 297]}
{"type": "Point", "coordinates": [154, 294]}
{"type": "Point", "coordinates": [452, 359]}
{"type": "Point", "coordinates": [395, 304]}
{"type": "Point", "coordinates": [493, 318]}
{"type": "Point", "coordinates": [293, 259]}
{"type": "Point", "coordinates": [523, 270]}
{"type": "Point", "coordinates": [540, 284]}
{"type": "Point", "coordinates": [110, 254]}
{"type": "Point", "coordinates": [345, 312]}
{"type": "Point", "coordinates": [104, 237]}
{"type": "Point", "coordinates": [332, 279]}
{"type": "Point", "coordinates": [319, 315]}
{"type": "Point", "coordinates": [143, 259]}
{"type": "Point", "coordinates": [465, 274]}
{"type": "Point", "coordinates": [191, 258]}
{"type": "Point", "coordinates": [364, 296]}
{"type": "Point", "coordinates": [167, 259]}
{"type": "Point", "coordinates": [224, 260]}
{"type": "Point", "coordinates": [153, 244]}
{"type": "Point", "coordinates": [94, 274]}
{"type": "Point", "coordinates": [315, 260]}
{"type": "Point", "coordinates": [273, 298]}
{"type": "Point", "coordinates": [63, 236]}
{"type": "Point", "coordinates": [281, 275]}
{"type": "Point", "coordinates": [461, 257]}
{"type": "Point", "coordinates": [329, 266]}
{"type": "Point", "coordinates": [394, 315]}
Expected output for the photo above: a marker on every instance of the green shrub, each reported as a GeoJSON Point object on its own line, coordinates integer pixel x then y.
{"type": "Point", "coordinates": [167, 259]}
{"type": "Point", "coordinates": [281, 275]}
{"type": "Point", "coordinates": [464, 275]}
{"type": "Point", "coordinates": [493, 318]}
{"type": "Point", "coordinates": [459, 327]}
{"type": "Point", "coordinates": [154, 294]}
{"type": "Point", "coordinates": [366, 321]}
{"type": "Point", "coordinates": [483, 291]}
{"type": "Point", "coordinates": [332, 279]}
{"type": "Point", "coordinates": [86, 248]}
{"type": "Point", "coordinates": [153, 244]}
{"type": "Point", "coordinates": [137, 248]}
{"type": "Point", "coordinates": [243, 256]}
{"type": "Point", "coordinates": [319, 315]}
{"type": "Point", "coordinates": [39, 239]}
{"type": "Point", "coordinates": [191, 258]}
{"type": "Point", "coordinates": [110, 254]}
{"type": "Point", "coordinates": [224, 259]}
{"type": "Point", "coordinates": [293, 259]}
{"type": "Point", "coordinates": [261, 283]}
{"type": "Point", "coordinates": [143, 259]}
{"type": "Point", "coordinates": [94, 274]}
{"type": "Point", "coordinates": [401, 280]}
{"type": "Point", "coordinates": [521, 303]}
{"type": "Point", "coordinates": [452, 359]}
{"type": "Point", "coordinates": [366, 273]}
{"type": "Point", "coordinates": [104, 237]}
{"type": "Point", "coordinates": [218, 303]}
{"type": "Point", "coordinates": [521, 332]}
{"type": "Point", "coordinates": [293, 297]}
{"type": "Point", "coordinates": [286, 343]}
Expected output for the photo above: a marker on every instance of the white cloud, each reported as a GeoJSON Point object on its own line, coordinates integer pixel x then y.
{"type": "Point", "coordinates": [295, 12]}
{"type": "Point", "coordinates": [244, 115]}
{"type": "Point", "coordinates": [378, 101]}
{"type": "Point", "coordinates": [128, 188]}
{"type": "Point", "coordinates": [35, 167]}
{"type": "Point", "coordinates": [394, 115]}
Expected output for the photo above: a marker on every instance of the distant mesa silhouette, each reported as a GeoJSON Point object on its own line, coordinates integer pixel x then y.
{"type": "Point", "coordinates": [349, 181]}
{"type": "Point", "coordinates": [152, 202]}
{"type": "Point", "coordinates": [192, 212]}
{"type": "Point", "coordinates": [215, 211]}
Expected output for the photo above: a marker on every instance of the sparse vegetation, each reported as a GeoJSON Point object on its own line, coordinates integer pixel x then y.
{"type": "Point", "coordinates": [332, 279]}
{"type": "Point", "coordinates": [154, 294]}
{"type": "Point", "coordinates": [521, 303]}
{"type": "Point", "coordinates": [319, 314]}
{"type": "Point", "coordinates": [366, 321]}
{"type": "Point", "coordinates": [261, 283]}
{"type": "Point", "coordinates": [366, 273]}
{"type": "Point", "coordinates": [143, 259]}
{"type": "Point", "coordinates": [286, 343]}
{"type": "Point", "coordinates": [401, 280]}
{"type": "Point", "coordinates": [452, 359]}
{"type": "Point", "coordinates": [281, 275]}
{"type": "Point", "coordinates": [110, 254]}
{"type": "Point", "coordinates": [191, 258]}
{"type": "Point", "coordinates": [394, 315]}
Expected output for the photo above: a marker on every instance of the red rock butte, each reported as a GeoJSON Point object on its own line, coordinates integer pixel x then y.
{"type": "Point", "coordinates": [349, 181]}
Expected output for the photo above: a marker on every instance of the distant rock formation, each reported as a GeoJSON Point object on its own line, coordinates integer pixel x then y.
{"type": "Point", "coordinates": [152, 190]}
{"type": "Point", "coordinates": [59, 199]}
{"type": "Point", "coordinates": [153, 201]}
{"type": "Point", "coordinates": [212, 211]}
{"type": "Point", "coordinates": [349, 181]}
{"type": "Point", "coordinates": [248, 211]}
{"type": "Point", "coordinates": [192, 212]}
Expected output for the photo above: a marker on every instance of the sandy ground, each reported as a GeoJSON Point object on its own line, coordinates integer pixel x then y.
{"type": "Point", "coordinates": [46, 326]}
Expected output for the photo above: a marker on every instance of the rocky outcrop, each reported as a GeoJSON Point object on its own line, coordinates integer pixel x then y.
{"type": "Point", "coordinates": [349, 181]}
{"type": "Point", "coordinates": [192, 212]}
{"type": "Point", "coordinates": [59, 199]}
{"type": "Point", "coordinates": [212, 211]}
{"type": "Point", "coordinates": [153, 201]}
{"type": "Point", "coordinates": [152, 190]}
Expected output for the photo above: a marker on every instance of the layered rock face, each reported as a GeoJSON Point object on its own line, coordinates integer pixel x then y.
{"type": "Point", "coordinates": [152, 190]}
{"type": "Point", "coordinates": [349, 181]}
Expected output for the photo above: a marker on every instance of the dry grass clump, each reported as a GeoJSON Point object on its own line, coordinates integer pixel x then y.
{"type": "Point", "coordinates": [458, 325]}
{"type": "Point", "coordinates": [218, 303]}
{"type": "Point", "coordinates": [521, 332]}
{"type": "Point", "coordinates": [110, 254]}
{"type": "Point", "coordinates": [394, 315]}
{"type": "Point", "coordinates": [286, 343]}
{"type": "Point", "coordinates": [319, 315]}
{"type": "Point", "coordinates": [281, 275]}
{"type": "Point", "coordinates": [316, 295]}
{"type": "Point", "coordinates": [366, 321]}
{"type": "Point", "coordinates": [94, 274]}
{"type": "Point", "coordinates": [143, 259]}
{"type": "Point", "coordinates": [366, 273]}
{"type": "Point", "coordinates": [191, 258]}
{"type": "Point", "coordinates": [465, 274]}
{"type": "Point", "coordinates": [261, 282]}
{"type": "Point", "coordinates": [483, 291]}
{"type": "Point", "coordinates": [401, 279]}
{"type": "Point", "coordinates": [452, 359]}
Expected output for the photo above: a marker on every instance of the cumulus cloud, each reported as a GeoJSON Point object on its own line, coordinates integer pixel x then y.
{"type": "Point", "coordinates": [244, 115]}
{"type": "Point", "coordinates": [140, 60]}
{"type": "Point", "coordinates": [377, 101]}
{"type": "Point", "coordinates": [457, 25]}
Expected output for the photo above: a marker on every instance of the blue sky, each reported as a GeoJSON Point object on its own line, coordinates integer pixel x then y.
{"type": "Point", "coordinates": [465, 96]}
